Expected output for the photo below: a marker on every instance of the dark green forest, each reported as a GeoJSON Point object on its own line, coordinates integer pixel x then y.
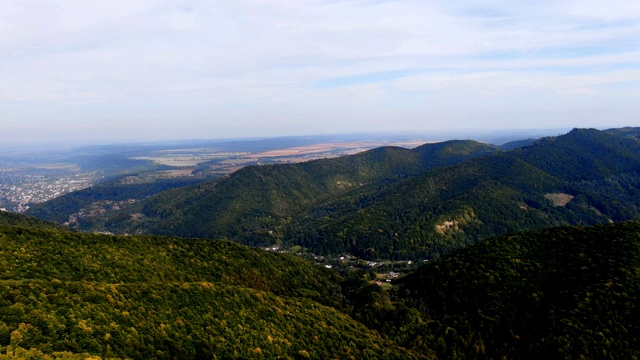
{"type": "Point", "coordinates": [13, 219]}
{"type": "Point", "coordinates": [394, 203]}
{"type": "Point", "coordinates": [560, 293]}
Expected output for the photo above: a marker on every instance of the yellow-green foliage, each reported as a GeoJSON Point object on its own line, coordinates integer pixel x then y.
{"type": "Point", "coordinates": [73, 295]}
{"type": "Point", "coordinates": [181, 320]}
{"type": "Point", "coordinates": [48, 254]}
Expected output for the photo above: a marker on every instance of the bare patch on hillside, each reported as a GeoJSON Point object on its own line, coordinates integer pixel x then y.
{"type": "Point", "coordinates": [559, 199]}
{"type": "Point", "coordinates": [136, 217]}
{"type": "Point", "coordinates": [448, 226]}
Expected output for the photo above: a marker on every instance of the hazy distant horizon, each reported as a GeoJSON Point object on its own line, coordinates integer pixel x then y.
{"type": "Point", "coordinates": [496, 136]}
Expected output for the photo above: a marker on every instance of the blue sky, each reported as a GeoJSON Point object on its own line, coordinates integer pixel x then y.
{"type": "Point", "coordinates": [106, 71]}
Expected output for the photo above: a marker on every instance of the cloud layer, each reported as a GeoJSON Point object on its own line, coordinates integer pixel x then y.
{"type": "Point", "coordinates": [123, 70]}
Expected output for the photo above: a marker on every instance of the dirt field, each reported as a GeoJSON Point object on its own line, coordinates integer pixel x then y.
{"type": "Point", "coordinates": [185, 160]}
{"type": "Point", "coordinates": [334, 148]}
{"type": "Point", "coordinates": [174, 173]}
{"type": "Point", "coordinates": [559, 199]}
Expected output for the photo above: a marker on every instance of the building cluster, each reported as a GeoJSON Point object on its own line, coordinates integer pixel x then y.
{"type": "Point", "coordinates": [20, 189]}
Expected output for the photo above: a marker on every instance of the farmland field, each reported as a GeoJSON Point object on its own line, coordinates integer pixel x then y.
{"type": "Point", "coordinates": [226, 162]}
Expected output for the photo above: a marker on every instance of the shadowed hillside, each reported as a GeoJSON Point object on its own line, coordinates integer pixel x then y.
{"type": "Point", "coordinates": [556, 293]}
{"type": "Point", "coordinates": [583, 154]}
{"type": "Point", "coordinates": [13, 219]}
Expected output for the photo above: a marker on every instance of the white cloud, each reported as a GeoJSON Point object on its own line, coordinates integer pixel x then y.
{"type": "Point", "coordinates": [243, 59]}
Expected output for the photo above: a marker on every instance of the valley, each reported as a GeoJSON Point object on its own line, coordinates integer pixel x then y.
{"type": "Point", "coordinates": [453, 249]}
{"type": "Point", "coordinates": [74, 295]}
{"type": "Point", "coordinates": [321, 180]}
{"type": "Point", "coordinates": [388, 203]}
{"type": "Point", "coordinates": [35, 177]}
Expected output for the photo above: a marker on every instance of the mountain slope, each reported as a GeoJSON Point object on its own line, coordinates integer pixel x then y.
{"type": "Point", "coordinates": [583, 154]}
{"type": "Point", "coordinates": [404, 204]}
{"type": "Point", "coordinates": [601, 164]}
{"type": "Point", "coordinates": [44, 254]}
{"type": "Point", "coordinates": [114, 193]}
{"type": "Point", "coordinates": [556, 293]}
{"type": "Point", "coordinates": [533, 187]}
{"type": "Point", "coordinates": [186, 321]}
{"type": "Point", "coordinates": [258, 200]}
{"type": "Point", "coordinates": [517, 144]}
{"type": "Point", "coordinates": [13, 219]}
{"type": "Point", "coordinates": [155, 297]}
{"type": "Point", "coordinates": [441, 210]}
{"type": "Point", "coordinates": [628, 132]}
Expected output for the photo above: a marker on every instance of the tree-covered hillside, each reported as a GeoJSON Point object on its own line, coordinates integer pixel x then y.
{"type": "Point", "coordinates": [257, 199]}
{"type": "Point", "coordinates": [566, 292]}
{"type": "Point", "coordinates": [111, 194]}
{"type": "Point", "coordinates": [583, 154]}
{"type": "Point", "coordinates": [629, 132]}
{"type": "Point", "coordinates": [44, 254]}
{"type": "Point", "coordinates": [585, 177]}
{"type": "Point", "coordinates": [153, 297]}
{"type": "Point", "coordinates": [517, 144]}
{"type": "Point", "coordinates": [394, 203]}
{"type": "Point", "coordinates": [560, 293]}
{"type": "Point", "coordinates": [13, 219]}
{"type": "Point", "coordinates": [441, 210]}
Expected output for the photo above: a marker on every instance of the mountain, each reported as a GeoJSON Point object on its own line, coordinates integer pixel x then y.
{"type": "Point", "coordinates": [567, 292]}
{"type": "Point", "coordinates": [584, 177]}
{"type": "Point", "coordinates": [517, 144]}
{"type": "Point", "coordinates": [394, 203]}
{"type": "Point", "coordinates": [564, 292]}
{"type": "Point", "coordinates": [13, 219]}
{"type": "Point", "coordinates": [256, 199]}
{"type": "Point", "coordinates": [629, 132]}
{"type": "Point", "coordinates": [603, 167]}
{"type": "Point", "coordinates": [440, 210]}
{"type": "Point", "coordinates": [583, 154]}
{"type": "Point", "coordinates": [74, 295]}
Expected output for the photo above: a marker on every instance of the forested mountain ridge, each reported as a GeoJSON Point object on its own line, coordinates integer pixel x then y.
{"type": "Point", "coordinates": [441, 210]}
{"type": "Point", "coordinates": [258, 200]}
{"type": "Point", "coordinates": [73, 295]}
{"type": "Point", "coordinates": [583, 154]}
{"type": "Point", "coordinates": [265, 196]}
{"type": "Point", "coordinates": [557, 293]}
{"type": "Point", "coordinates": [13, 219]}
{"type": "Point", "coordinates": [532, 187]}
{"type": "Point", "coordinates": [517, 144]}
{"type": "Point", "coordinates": [404, 204]}
{"type": "Point", "coordinates": [628, 131]}
{"type": "Point", "coordinates": [603, 166]}
{"type": "Point", "coordinates": [145, 259]}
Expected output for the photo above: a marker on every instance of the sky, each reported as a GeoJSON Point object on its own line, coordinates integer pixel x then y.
{"type": "Point", "coordinates": [121, 70]}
